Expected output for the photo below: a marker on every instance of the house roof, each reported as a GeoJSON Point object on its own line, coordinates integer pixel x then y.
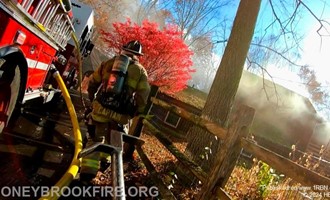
{"type": "Point", "coordinates": [191, 96]}
{"type": "Point", "coordinates": [256, 92]}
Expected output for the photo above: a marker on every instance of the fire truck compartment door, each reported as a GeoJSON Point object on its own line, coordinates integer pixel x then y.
{"type": "Point", "coordinates": [38, 67]}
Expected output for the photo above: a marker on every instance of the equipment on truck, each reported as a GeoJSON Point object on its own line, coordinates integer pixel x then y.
{"type": "Point", "coordinates": [34, 35]}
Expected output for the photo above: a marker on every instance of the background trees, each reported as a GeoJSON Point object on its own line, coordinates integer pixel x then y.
{"type": "Point", "coordinates": [225, 85]}
{"type": "Point", "coordinates": [196, 20]}
{"type": "Point", "coordinates": [166, 56]}
{"type": "Point", "coordinates": [200, 22]}
{"type": "Point", "coordinates": [277, 41]}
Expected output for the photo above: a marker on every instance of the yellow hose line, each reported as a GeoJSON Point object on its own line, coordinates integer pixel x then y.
{"type": "Point", "coordinates": [72, 171]}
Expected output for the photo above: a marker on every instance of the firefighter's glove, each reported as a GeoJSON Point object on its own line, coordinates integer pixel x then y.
{"type": "Point", "coordinates": [147, 117]}
{"type": "Point", "coordinates": [87, 113]}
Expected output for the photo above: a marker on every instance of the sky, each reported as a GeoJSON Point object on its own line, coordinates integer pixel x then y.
{"type": "Point", "coordinates": [317, 54]}
{"type": "Point", "coordinates": [315, 50]}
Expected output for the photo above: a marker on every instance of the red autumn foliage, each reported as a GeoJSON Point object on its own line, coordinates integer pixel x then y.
{"type": "Point", "coordinates": [167, 58]}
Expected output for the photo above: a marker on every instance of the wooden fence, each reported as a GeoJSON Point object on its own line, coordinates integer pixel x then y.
{"type": "Point", "coordinates": [235, 138]}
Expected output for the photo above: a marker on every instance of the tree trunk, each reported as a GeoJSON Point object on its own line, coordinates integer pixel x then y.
{"type": "Point", "coordinates": [223, 90]}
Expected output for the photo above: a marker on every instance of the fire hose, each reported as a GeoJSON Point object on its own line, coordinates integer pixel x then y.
{"type": "Point", "coordinates": [73, 169]}
{"type": "Point", "coordinates": [75, 163]}
{"type": "Point", "coordinates": [115, 150]}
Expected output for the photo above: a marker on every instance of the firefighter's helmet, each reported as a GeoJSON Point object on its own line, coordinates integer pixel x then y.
{"type": "Point", "coordinates": [134, 47]}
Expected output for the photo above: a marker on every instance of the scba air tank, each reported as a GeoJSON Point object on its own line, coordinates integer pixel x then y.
{"type": "Point", "coordinates": [118, 74]}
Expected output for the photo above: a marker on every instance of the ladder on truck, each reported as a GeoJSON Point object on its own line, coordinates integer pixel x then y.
{"type": "Point", "coordinates": [53, 17]}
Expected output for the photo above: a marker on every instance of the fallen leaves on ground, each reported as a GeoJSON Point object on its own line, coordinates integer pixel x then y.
{"type": "Point", "coordinates": [165, 164]}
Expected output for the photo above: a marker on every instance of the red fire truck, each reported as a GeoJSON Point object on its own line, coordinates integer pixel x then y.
{"type": "Point", "coordinates": [34, 35]}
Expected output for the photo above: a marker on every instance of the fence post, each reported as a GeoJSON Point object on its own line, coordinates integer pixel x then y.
{"type": "Point", "coordinates": [228, 153]}
{"type": "Point", "coordinates": [243, 124]}
{"type": "Point", "coordinates": [137, 124]}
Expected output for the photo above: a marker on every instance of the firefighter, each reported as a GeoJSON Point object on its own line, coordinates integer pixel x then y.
{"type": "Point", "coordinates": [103, 116]}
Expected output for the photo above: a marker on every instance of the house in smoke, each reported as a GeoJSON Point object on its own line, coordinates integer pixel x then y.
{"type": "Point", "coordinates": [283, 118]}
{"type": "Point", "coordinates": [319, 143]}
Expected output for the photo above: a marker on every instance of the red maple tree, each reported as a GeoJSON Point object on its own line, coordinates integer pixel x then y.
{"type": "Point", "coordinates": [167, 58]}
